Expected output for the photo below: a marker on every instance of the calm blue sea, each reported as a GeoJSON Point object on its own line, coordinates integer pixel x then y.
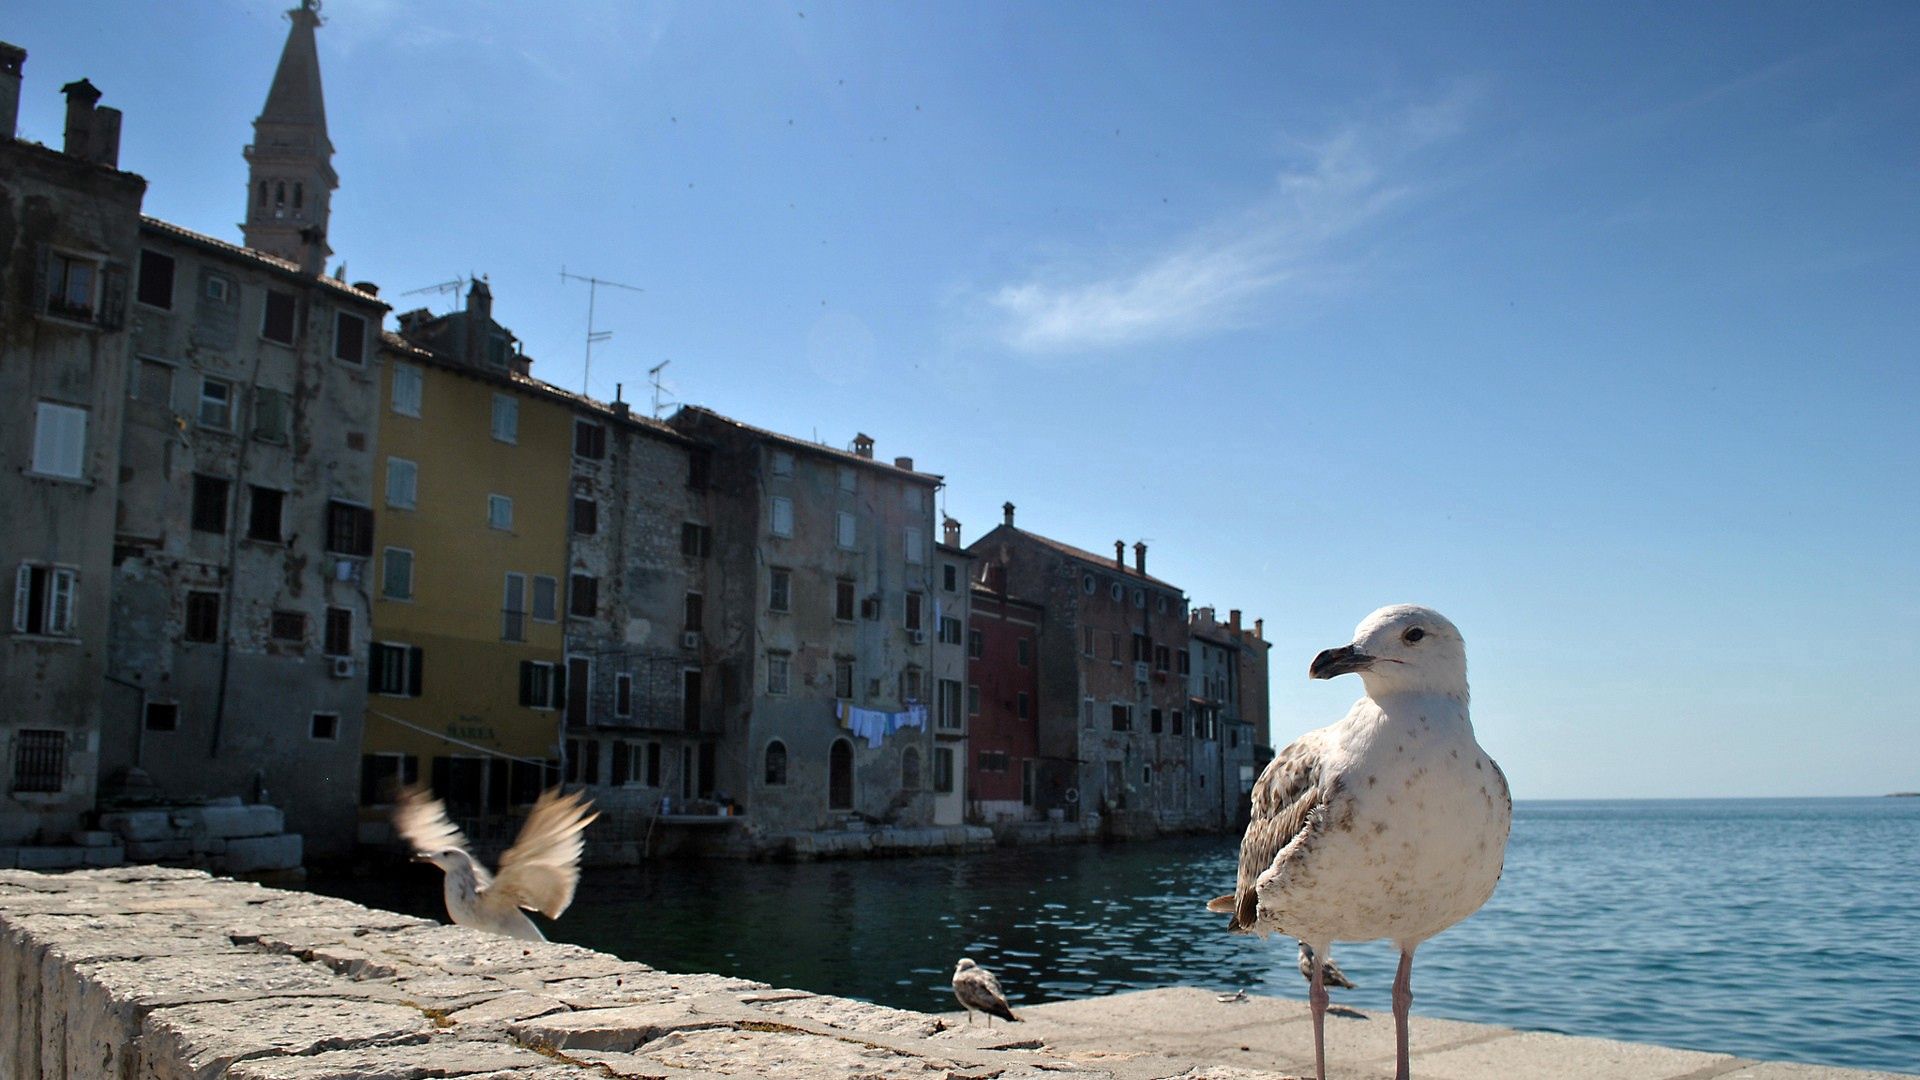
{"type": "Point", "coordinates": [1775, 929]}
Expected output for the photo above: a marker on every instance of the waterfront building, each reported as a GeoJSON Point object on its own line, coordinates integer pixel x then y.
{"type": "Point", "coordinates": [68, 250]}
{"type": "Point", "coordinates": [952, 622]}
{"type": "Point", "coordinates": [1003, 702]}
{"type": "Point", "coordinates": [821, 608]}
{"type": "Point", "coordinates": [1225, 749]}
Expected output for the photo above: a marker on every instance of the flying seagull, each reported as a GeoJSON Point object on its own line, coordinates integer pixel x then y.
{"type": "Point", "coordinates": [538, 872]}
{"type": "Point", "coordinates": [976, 988]}
{"type": "Point", "coordinates": [1389, 824]}
{"type": "Point", "coordinates": [1334, 976]}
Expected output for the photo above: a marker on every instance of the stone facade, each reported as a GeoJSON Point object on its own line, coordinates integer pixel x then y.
{"type": "Point", "coordinates": [1228, 688]}
{"type": "Point", "coordinates": [1003, 696]}
{"type": "Point", "coordinates": [947, 686]}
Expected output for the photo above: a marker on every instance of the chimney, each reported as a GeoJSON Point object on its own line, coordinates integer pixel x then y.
{"type": "Point", "coordinates": [1260, 629]}
{"type": "Point", "coordinates": [1140, 557]}
{"type": "Point", "coordinates": [863, 445]}
{"type": "Point", "coordinates": [367, 287]}
{"type": "Point", "coordinates": [104, 145]}
{"type": "Point", "coordinates": [1233, 620]}
{"type": "Point", "coordinates": [1120, 554]}
{"type": "Point", "coordinates": [903, 463]}
{"type": "Point", "coordinates": [81, 97]}
{"type": "Point", "coordinates": [1006, 514]}
{"type": "Point", "coordinates": [950, 531]}
{"type": "Point", "coordinates": [313, 249]}
{"type": "Point", "coordinates": [12, 59]}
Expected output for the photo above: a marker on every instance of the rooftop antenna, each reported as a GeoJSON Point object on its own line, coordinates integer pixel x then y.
{"type": "Point", "coordinates": [453, 286]}
{"type": "Point", "coordinates": [593, 336]}
{"type": "Point", "coordinates": [653, 376]}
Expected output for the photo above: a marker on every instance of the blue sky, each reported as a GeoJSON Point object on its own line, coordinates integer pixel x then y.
{"type": "Point", "coordinates": [1593, 326]}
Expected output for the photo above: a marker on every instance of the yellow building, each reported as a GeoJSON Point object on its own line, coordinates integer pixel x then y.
{"type": "Point", "coordinates": [471, 507]}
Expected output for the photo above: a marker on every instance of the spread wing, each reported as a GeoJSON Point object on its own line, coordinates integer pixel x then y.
{"type": "Point", "coordinates": [541, 869]}
{"type": "Point", "coordinates": [421, 820]}
{"type": "Point", "coordinates": [978, 989]}
{"type": "Point", "coordinates": [1295, 784]}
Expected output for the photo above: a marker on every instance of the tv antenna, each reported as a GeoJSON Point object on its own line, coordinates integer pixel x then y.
{"type": "Point", "coordinates": [444, 288]}
{"type": "Point", "coordinates": [594, 337]}
{"type": "Point", "coordinates": [653, 376]}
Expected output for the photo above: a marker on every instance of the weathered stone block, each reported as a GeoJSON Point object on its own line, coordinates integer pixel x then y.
{"type": "Point", "coordinates": [619, 1030]}
{"type": "Point", "coordinates": [158, 850]}
{"type": "Point", "coordinates": [252, 854]}
{"type": "Point", "coordinates": [51, 858]}
{"type": "Point", "coordinates": [227, 822]}
{"type": "Point", "coordinates": [105, 856]}
{"type": "Point", "coordinates": [138, 824]}
{"type": "Point", "coordinates": [93, 838]}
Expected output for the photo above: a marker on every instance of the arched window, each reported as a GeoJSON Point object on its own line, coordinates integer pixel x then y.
{"type": "Point", "coordinates": [840, 776]}
{"type": "Point", "coordinates": [263, 194]}
{"type": "Point", "coordinates": [299, 194]}
{"type": "Point", "coordinates": [1146, 776]}
{"type": "Point", "coordinates": [280, 194]}
{"type": "Point", "coordinates": [910, 769]}
{"type": "Point", "coordinates": [776, 763]}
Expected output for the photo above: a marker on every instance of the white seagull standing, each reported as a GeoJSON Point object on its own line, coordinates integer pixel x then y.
{"type": "Point", "coordinates": [1389, 824]}
{"type": "Point", "coordinates": [539, 872]}
{"type": "Point", "coordinates": [976, 988]}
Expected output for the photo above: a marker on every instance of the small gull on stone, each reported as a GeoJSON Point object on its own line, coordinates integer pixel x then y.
{"type": "Point", "coordinates": [539, 872]}
{"type": "Point", "coordinates": [976, 988]}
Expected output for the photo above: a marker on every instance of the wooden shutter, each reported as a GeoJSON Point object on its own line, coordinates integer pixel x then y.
{"type": "Point", "coordinates": [416, 659]}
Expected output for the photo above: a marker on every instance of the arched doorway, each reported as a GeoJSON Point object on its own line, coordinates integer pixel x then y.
{"type": "Point", "coordinates": [840, 776]}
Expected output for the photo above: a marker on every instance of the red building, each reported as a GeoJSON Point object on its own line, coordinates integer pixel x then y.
{"type": "Point", "coordinates": [1003, 702]}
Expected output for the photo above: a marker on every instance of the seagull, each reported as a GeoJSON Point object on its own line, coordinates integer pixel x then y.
{"type": "Point", "coordinates": [976, 988]}
{"type": "Point", "coordinates": [1389, 824]}
{"type": "Point", "coordinates": [539, 872]}
{"type": "Point", "coordinates": [1334, 976]}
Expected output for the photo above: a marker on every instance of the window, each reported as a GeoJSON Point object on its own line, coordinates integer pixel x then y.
{"type": "Point", "coordinates": [513, 608]}
{"type": "Point", "coordinates": [623, 694]}
{"type": "Point", "coordinates": [586, 516]}
{"type": "Point", "coordinates": [843, 678]}
{"type": "Point", "coordinates": [779, 590]}
{"type": "Point", "coordinates": [349, 529]}
{"type": "Point", "coordinates": [216, 405]}
{"type": "Point", "coordinates": [1142, 648]}
{"type": "Point", "coordinates": [271, 415]}
{"type": "Point", "coordinates": [407, 388]}
{"type": "Point", "coordinates": [156, 280]}
{"type": "Point", "coordinates": [946, 701]}
{"type": "Point", "coordinates": [1179, 722]}
{"type": "Point", "coordinates": [949, 630]}
{"type": "Point", "coordinates": [383, 774]}
{"type": "Point", "coordinates": [546, 598]}
{"type": "Point", "coordinates": [782, 463]}
{"type": "Point", "coordinates": [1233, 737]}
{"type": "Point", "coordinates": [396, 670]}
{"type": "Point", "coordinates": [973, 699]}
{"type": "Point", "coordinates": [1122, 717]}
{"type": "Point", "coordinates": [1153, 721]}
{"type": "Point", "coordinates": [1087, 647]}
{"type": "Point", "coordinates": [910, 684]}
{"type": "Point", "coordinates": [265, 513]}
{"type": "Point", "coordinates": [776, 771]}
{"type": "Point", "coordinates": [349, 338]}
{"type": "Point", "coordinates": [59, 440]}
{"type": "Point", "coordinates": [1022, 709]}
{"type": "Point", "coordinates": [1162, 657]}
{"type": "Point", "coordinates": [694, 614]}
{"type": "Point", "coordinates": [913, 611]}
{"type": "Point", "coordinates": [844, 533]}
{"type": "Point", "coordinates": [777, 671]}
{"type": "Point", "coordinates": [781, 519]}
{"type": "Point", "coordinates": [843, 600]}
{"type": "Point", "coordinates": [497, 350]}
{"type": "Point", "coordinates": [1146, 776]}
{"type": "Point", "coordinates": [39, 760]}
{"type": "Point", "coordinates": [276, 324]}
{"type": "Point", "coordinates": [1163, 605]}
{"type": "Point", "coordinates": [695, 540]}
{"type": "Point", "coordinates": [209, 504]}
{"type": "Point", "coordinates": [912, 544]}
{"type": "Point", "coordinates": [1115, 591]}
{"type": "Point", "coordinates": [1182, 662]}
{"type": "Point", "coordinates": [499, 512]}
{"type": "Point", "coordinates": [396, 579]}
{"type": "Point", "coordinates": [288, 626]}
{"type": "Point", "coordinates": [162, 716]}
{"type": "Point", "coordinates": [849, 480]}
{"type": "Point", "coordinates": [583, 596]}
{"type": "Point", "coordinates": [1087, 584]}
{"type": "Point", "coordinates": [203, 617]}
{"type": "Point", "coordinates": [1113, 642]}
{"type": "Point", "coordinates": [338, 640]}
{"type": "Point", "coordinates": [993, 761]}
{"type": "Point", "coordinates": [218, 288]}
{"type": "Point", "coordinates": [43, 599]}
{"type": "Point", "coordinates": [1023, 652]}
{"type": "Point", "coordinates": [910, 769]}
{"type": "Point", "coordinates": [1139, 598]}
{"type": "Point", "coordinates": [1086, 712]}
{"type": "Point", "coordinates": [538, 689]}
{"type": "Point", "coordinates": [976, 644]}
{"type": "Point", "coordinates": [943, 769]}
{"type": "Point", "coordinates": [153, 382]}
{"type": "Point", "coordinates": [71, 287]}
{"type": "Point", "coordinates": [506, 419]}
{"type": "Point", "coordinates": [949, 577]}
{"type": "Point", "coordinates": [325, 727]}
{"type": "Point", "coordinates": [589, 440]}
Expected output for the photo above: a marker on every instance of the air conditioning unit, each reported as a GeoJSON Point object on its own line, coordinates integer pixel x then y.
{"type": "Point", "coordinates": [690, 639]}
{"type": "Point", "coordinates": [919, 636]}
{"type": "Point", "coordinates": [341, 667]}
{"type": "Point", "coordinates": [1139, 671]}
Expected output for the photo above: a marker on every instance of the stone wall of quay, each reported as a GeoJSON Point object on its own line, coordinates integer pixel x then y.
{"type": "Point", "coordinates": [150, 973]}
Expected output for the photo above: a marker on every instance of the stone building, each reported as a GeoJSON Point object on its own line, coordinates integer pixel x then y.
{"type": "Point", "coordinates": [820, 610]}
{"type": "Point", "coordinates": [1228, 688]}
{"type": "Point", "coordinates": [69, 241]}
{"type": "Point", "coordinates": [1003, 702]}
{"type": "Point", "coordinates": [1112, 713]}
{"type": "Point", "coordinates": [952, 605]}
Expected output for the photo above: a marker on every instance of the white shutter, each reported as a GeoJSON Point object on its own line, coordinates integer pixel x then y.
{"type": "Point", "coordinates": [60, 603]}
{"type": "Point", "coordinates": [782, 516]}
{"type": "Point", "coordinates": [59, 440]}
{"type": "Point", "coordinates": [846, 537]}
{"type": "Point", "coordinates": [22, 596]}
{"type": "Point", "coordinates": [914, 554]}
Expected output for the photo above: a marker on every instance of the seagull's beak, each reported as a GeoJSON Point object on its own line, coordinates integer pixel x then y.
{"type": "Point", "coordinates": [1338, 661]}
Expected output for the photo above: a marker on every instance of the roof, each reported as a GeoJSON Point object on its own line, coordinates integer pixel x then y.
{"type": "Point", "coordinates": [702, 413]}
{"type": "Point", "coordinates": [1105, 563]}
{"type": "Point", "coordinates": [286, 268]}
{"type": "Point", "coordinates": [295, 96]}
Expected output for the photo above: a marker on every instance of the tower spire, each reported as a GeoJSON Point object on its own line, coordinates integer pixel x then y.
{"type": "Point", "coordinates": [290, 178]}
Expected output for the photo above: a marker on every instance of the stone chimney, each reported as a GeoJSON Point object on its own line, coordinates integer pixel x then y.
{"type": "Point", "coordinates": [81, 98]}
{"type": "Point", "coordinates": [903, 463]}
{"type": "Point", "coordinates": [1233, 620]}
{"type": "Point", "coordinates": [479, 323]}
{"type": "Point", "coordinates": [1006, 514]}
{"type": "Point", "coordinates": [1140, 557]}
{"type": "Point", "coordinates": [950, 532]}
{"type": "Point", "coordinates": [1260, 629]}
{"type": "Point", "coordinates": [863, 445]}
{"type": "Point", "coordinates": [1120, 554]}
{"type": "Point", "coordinates": [12, 59]}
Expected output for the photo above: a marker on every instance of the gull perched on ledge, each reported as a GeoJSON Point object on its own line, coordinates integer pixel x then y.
{"type": "Point", "coordinates": [539, 872]}
{"type": "Point", "coordinates": [1389, 824]}
{"type": "Point", "coordinates": [976, 988]}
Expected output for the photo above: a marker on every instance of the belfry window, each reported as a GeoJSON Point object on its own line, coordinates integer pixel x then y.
{"type": "Point", "coordinates": [299, 193]}
{"type": "Point", "coordinates": [280, 194]}
{"type": "Point", "coordinates": [263, 194]}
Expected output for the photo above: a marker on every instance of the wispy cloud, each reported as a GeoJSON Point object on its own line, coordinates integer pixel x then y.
{"type": "Point", "coordinates": [1221, 273]}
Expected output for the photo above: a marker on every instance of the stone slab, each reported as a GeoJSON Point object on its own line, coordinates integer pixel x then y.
{"type": "Point", "coordinates": [253, 854]}
{"type": "Point", "coordinates": [1545, 1056]}
{"type": "Point", "coordinates": [139, 824]}
{"type": "Point", "coordinates": [620, 1029]}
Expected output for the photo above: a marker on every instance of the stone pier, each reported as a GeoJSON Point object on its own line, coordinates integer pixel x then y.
{"type": "Point", "coordinates": [148, 973]}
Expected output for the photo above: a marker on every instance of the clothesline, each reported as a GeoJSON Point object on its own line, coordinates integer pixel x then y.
{"type": "Point", "coordinates": [874, 725]}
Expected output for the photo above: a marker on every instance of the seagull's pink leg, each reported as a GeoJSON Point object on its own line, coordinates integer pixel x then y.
{"type": "Point", "coordinates": [1317, 997]}
{"type": "Point", "coordinates": [1402, 1001]}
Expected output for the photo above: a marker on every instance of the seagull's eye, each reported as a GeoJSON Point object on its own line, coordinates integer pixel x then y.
{"type": "Point", "coordinates": [1413, 636]}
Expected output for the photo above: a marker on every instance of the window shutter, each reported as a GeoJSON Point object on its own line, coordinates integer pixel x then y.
{"type": "Point", "coordinates": [113, 296]}
{"type": "Point", "coordinates": [416, 659]}
{"type": "Point", "coordinates": [559, 686]}
{"type": "Point", "coordinates": [22, 596]}
{"type": "Point", "coordinates": [60, 603]}
{"type": "Point", "coordinates": [373, 666]}
{"type": "Point", "coordinates": [526, 682]}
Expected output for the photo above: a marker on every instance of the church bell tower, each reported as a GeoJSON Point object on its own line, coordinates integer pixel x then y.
{"type": "Point", "coordinates": [290, 178]}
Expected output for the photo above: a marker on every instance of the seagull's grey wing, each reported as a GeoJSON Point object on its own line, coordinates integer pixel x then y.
{"type": "Point", "coordinates": [978, 989]}
{"type": "Point", "coordinates": [541, 869]}
{"type": "Point", "coordinates": [421, 820]}
{"type": "Point", "coordinates": [1295, 784]}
